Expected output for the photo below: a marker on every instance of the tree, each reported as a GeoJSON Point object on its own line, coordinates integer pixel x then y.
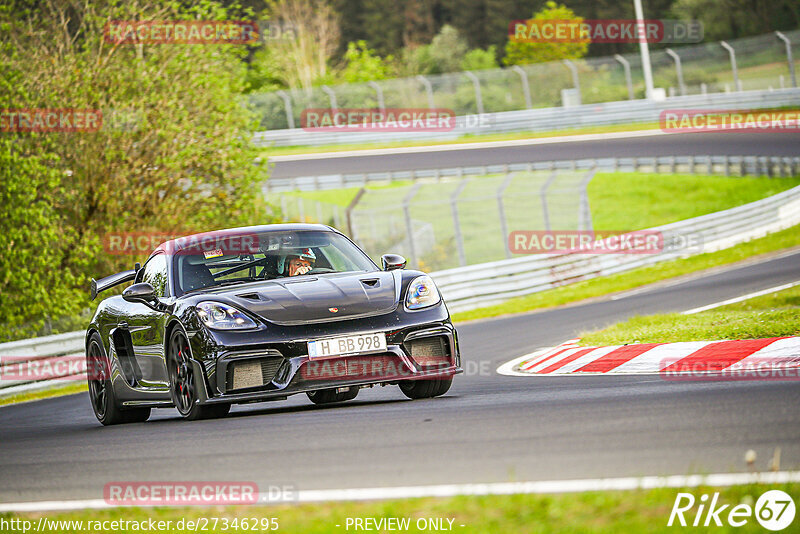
{"type": "Point", "coordinates": [173, 152]}
{"type": "Point", "coordinates": [304, 59]}
{"type": "Point", "coordinates": [521, 52]}
{"type": "Point", "coordinates": [362, 64]}
{"type": "Point", "coordinates": [477, 59]}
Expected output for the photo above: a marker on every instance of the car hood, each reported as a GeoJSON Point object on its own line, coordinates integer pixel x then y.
{"type": "Point", "coordinates": [321, 298]}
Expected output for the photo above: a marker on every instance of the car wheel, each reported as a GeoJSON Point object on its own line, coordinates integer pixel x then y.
{"type": "Point", "coordinates": [327, 396]}
{"type": "Point", "coordinates": [101, 393]}
{"type": "Point", "coordinates": [183, 382]}
{"type": "Point", "coordinates": [425, 389]}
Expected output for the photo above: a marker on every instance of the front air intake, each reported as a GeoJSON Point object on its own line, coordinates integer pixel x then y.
{"type": "Point", "coordinates": [430, 351]}
{"type": "Point", "coordinates": [252, 372]}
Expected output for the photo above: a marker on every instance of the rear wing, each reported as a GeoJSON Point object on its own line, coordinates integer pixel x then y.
{"type": "Point", "coordinates": [111, 281]}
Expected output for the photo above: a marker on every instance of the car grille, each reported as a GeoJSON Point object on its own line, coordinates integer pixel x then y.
{"type": "Point", "coordinates": [252, 372]}
{"type": "Point", "coordinates": [430, 351]}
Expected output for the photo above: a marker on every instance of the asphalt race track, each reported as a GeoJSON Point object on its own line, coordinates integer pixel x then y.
{"type": "Point", "coordinates": [681, 144]}
{"type": "Point", "coordinates": [488, 428]}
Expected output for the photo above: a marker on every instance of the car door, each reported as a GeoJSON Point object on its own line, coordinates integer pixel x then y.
{"type": "Point", "coordinates": [146, 327]}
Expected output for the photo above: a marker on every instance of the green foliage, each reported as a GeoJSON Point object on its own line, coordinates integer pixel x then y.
{"type": "Point", "coordinates": [363, 65]}
{"type": "Point", "coordinates": [478, 59]}
{"type": "Point", "coordinates": [521, 53]}
{"type": "Point", "coordinates": [173, 153]}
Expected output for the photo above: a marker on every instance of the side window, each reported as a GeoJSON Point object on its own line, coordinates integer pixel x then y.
{"type": "Point", "coordinates": [155, 274]}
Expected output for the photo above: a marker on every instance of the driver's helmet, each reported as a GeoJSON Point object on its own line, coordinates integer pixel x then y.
{"type": "Point", "coordinates": [304, 254]}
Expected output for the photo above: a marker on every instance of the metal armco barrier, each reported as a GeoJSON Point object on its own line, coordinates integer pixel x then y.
{"type": "Point", "coordinates": [42, 352]}
{"type": "Point", "coordinates": [481, 285]}
{"type": "Point", "coordinates": [544, 119]}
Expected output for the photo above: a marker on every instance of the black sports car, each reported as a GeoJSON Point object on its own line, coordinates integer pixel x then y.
{"type": "Point", "coordinates": [260, 313]}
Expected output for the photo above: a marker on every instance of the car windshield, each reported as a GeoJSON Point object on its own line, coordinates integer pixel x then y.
{"type": "Point", "coordinates": [210, 260]}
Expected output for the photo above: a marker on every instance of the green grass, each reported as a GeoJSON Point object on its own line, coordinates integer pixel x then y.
{"type": "Point", "coordinates": [773, 315]}
{"type": "Point", "coordinates": [469, 138]}
{"type": "Point", "coordinates": [633, 201]}
{"type": "Point", "coordinates": [597, 512]}
{"type": "Point", "coordinates": [599, 287]}
{"type": "Point", "coordinates": [70, 389]}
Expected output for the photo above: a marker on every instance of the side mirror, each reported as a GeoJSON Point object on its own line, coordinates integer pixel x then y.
{"type": "Point", "coordinates": [390, 262]}
{"type": "Point", "coordinates": [141, 292]}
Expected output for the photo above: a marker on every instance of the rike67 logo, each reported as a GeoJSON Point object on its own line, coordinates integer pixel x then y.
{"type": "Point", "coordinates": [774, 510]}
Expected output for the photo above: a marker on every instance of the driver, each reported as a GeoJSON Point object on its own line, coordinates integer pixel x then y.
{"type": "Point", "coordinates": [297, 263]}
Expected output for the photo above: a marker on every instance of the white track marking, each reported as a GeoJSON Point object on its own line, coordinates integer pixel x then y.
{"type": "Point", "coordinates": [508, 368]}
{"type": "Point", "coordinates": [470, 146]}
{"type": "Point", "coordinates": [452, 490]}
{"type": "Point", "coordinates": [740, 299]}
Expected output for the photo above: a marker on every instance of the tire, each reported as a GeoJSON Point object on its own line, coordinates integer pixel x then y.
{"type": "Point", "coordinates": [183, 383]}
{"type": "Point", "coordinates": [425, 389]}
{"type": "Point", "coordinates": [101, 393]}
{"type": "Point", "coordinates": [328, 396]}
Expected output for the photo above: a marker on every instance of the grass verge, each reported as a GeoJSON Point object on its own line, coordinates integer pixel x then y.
{"type": "Point", "coordinates": [608, 285]}
{"type": "Point", "coordinates": [598, 512]}
{"type": "Point", "coordinates": [70, 389]}
{"type": "Point", "coordinates": [773, 315]}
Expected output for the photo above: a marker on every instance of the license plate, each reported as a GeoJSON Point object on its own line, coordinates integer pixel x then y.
{"type": "Point", "coordinates": [336, 346]}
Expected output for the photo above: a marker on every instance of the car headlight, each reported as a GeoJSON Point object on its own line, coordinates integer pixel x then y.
{"type": "Point", "coordinates": [223, 317]}
{"type": "Point", "coordinates": [422, 293]}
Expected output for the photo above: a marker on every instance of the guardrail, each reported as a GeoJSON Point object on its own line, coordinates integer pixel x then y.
{"type": "Point", "coordinates": [35, 363]}
{"type": "Point", "coordinates": [544, 119]}
{"type": "Point", "coordinates": [485, 284]}
{"type": "Point", "coordinates": [728, 165]}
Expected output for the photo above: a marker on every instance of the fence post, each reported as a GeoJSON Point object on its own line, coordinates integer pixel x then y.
{"type": "Point", "coordinates": [319, 212]}
{"type": "Point", "coordinates": [543, 196]}
{"type": "Point", "coordinates": [348, 213]}
{"type": "Point", "coordinates": [526, 88]}
{"type": "Point", "coordinates": [788, 44]}
{"type": "Point", "coordinates": [409, 226]}
{"type": "Point", "coordinates": [732, 53]}
{"type": "Point", "coordinates": [287, 104]}
{"type": "Point", "coordinates": [477, 85]}
{"type": "Point", "coordinates": [337, 220]}
{"type": "Point", "coordinates": [678, 69]}
{"type": "Point", "coordinates": [379, 93]}
{"type": "Point", "coordinates": [301, 210]}
{"type": "Point", "coordinates": [501, 212]}
{"type": "Point", "coordinates": [627, 67]}
{"type": "Point", "coordinates": [585, 214]}
{"type": "Point", "coordinates": [462, 257]}
{"type": "Point", "coordinates": [574, 69]}
{"type": "Point", "coordinates": [331, 95]}
{"type": "Point", "coordinates": [428, 89]}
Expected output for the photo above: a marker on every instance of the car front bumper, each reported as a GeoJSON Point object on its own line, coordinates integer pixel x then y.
{"type": "Point", "coordinates": [291, 371]}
